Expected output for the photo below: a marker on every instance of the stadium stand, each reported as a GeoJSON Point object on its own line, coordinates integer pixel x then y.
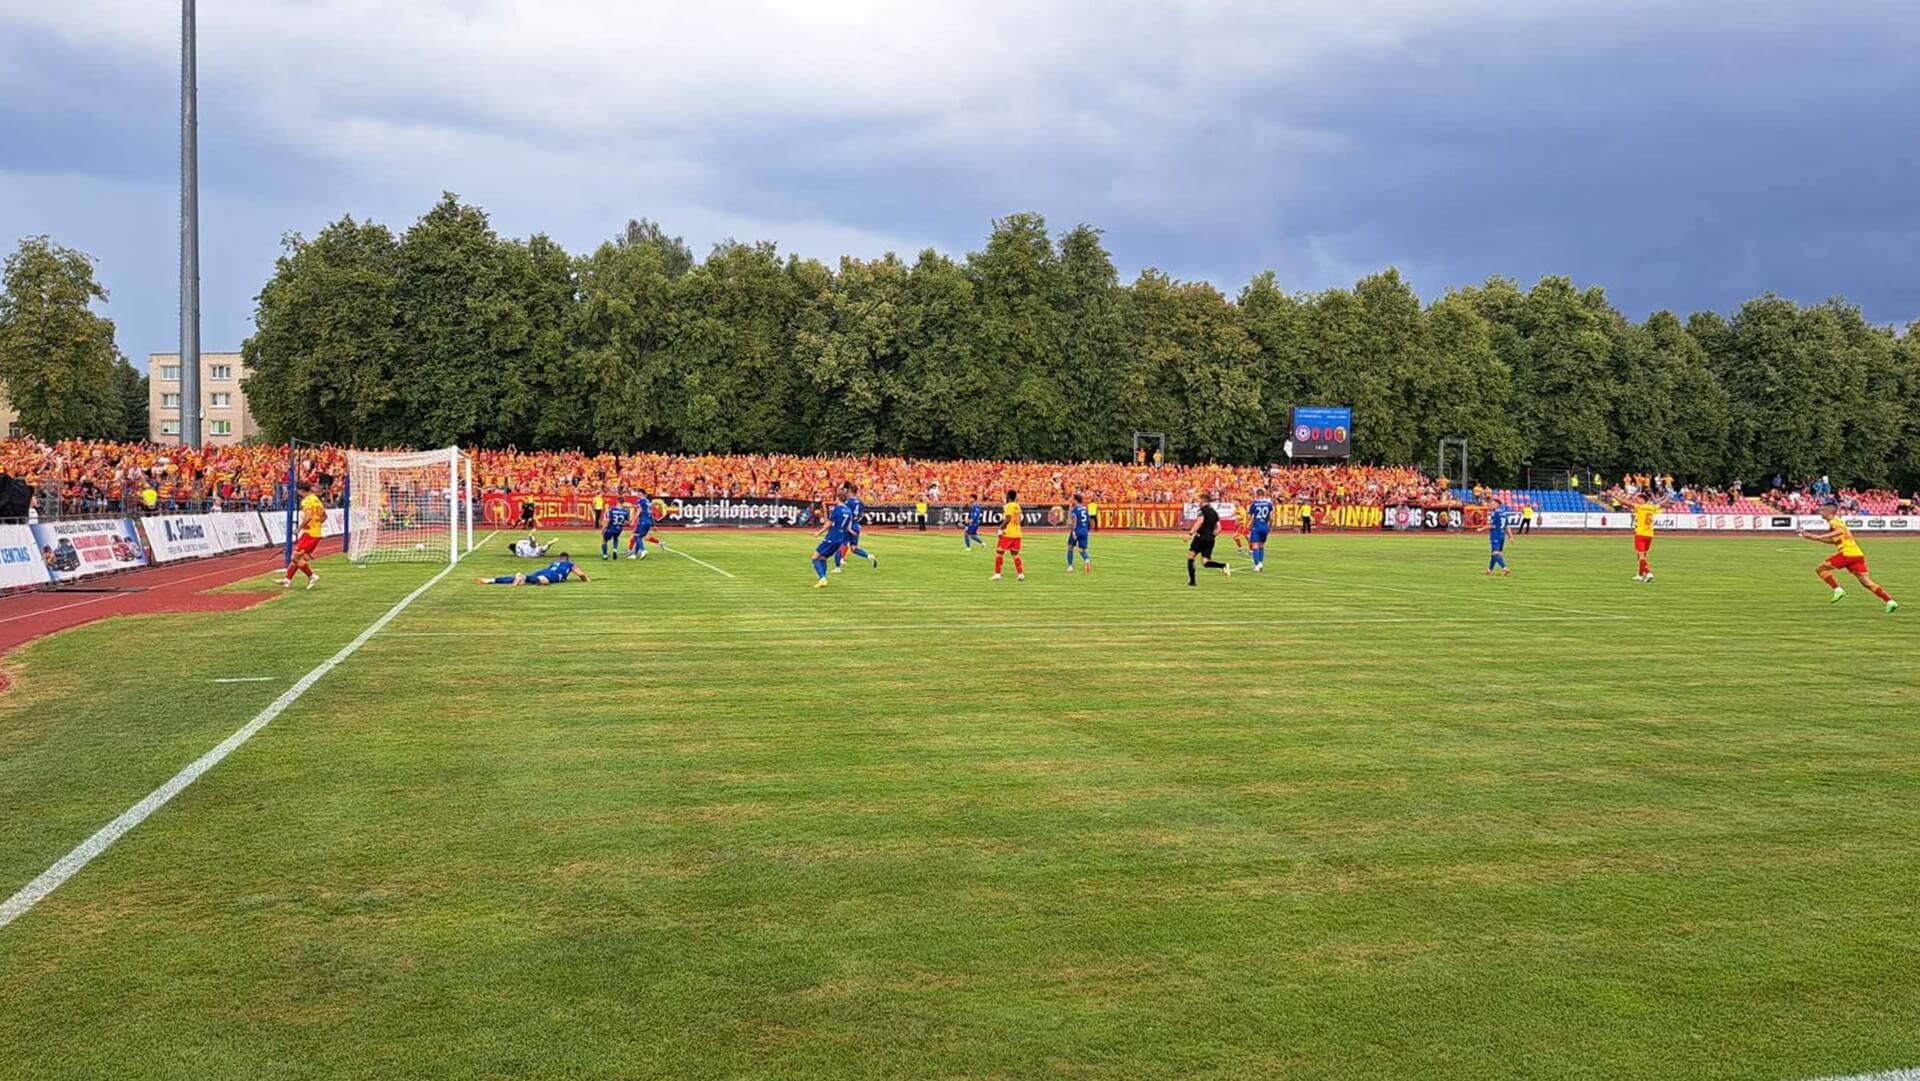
{"type": "Point", "coordinates": [1545, 500]}
{"type": "Point", "coordinates": [90, 477]}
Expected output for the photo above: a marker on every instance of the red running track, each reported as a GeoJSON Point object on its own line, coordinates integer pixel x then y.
{"type": "Point", "coordinates": [179, 587]}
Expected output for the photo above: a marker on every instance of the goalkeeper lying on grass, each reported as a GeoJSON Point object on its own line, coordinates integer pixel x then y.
{"type": "Point", "coordinates": [552, 574]}
{"type": "Point", "coordinates": [529, 547]}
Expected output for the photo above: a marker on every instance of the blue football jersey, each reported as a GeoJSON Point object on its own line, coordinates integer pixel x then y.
{"type": "Point", "coordinates": [617, 516]}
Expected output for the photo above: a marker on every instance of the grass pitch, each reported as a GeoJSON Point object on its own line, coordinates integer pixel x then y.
{"type": "Point", "coordinates": [1368, 815]}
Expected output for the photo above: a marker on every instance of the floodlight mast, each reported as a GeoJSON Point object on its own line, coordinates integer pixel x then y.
{"type": "Point", "coordinates": [189, 230]}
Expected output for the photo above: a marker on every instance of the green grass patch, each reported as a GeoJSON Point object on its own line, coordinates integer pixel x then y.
{"type": "Point", "coordinates": [1370, 814]}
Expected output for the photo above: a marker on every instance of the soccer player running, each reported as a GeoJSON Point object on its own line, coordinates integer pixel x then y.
{"type": "Point", "coordinates": [1497, 523]}
{"type": "Point", "coordinates": [1259, 526]}
{"type": "Point", "coordinates": [834, 530]}
{"type": "Point", "coordinates": [1846, 556]}
{"type": "Point", "coordinates": [617, 516]}
{"type": "Point", "coordinates": [971, 535]}
{"type": "Point", "coordinates": [1009, 538]}
{"type": "Point", "coordinates": [1643, 512]}
{"type": "Point", "coordinates": [550, 575]}
{"type": "Point", "coordinates": [1079, 524]}
{"type": "Point", "coordinates": [313, 522]}
{"type": "Point", "coordinates": [643, 528]}
{"type": "Point", "coordinates": [1200, 540]}
{"type": "Point", "coordinates": [855, 508]}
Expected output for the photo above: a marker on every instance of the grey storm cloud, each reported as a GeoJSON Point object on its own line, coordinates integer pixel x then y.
{"type": "Point", "coordinates": [1683, 155]}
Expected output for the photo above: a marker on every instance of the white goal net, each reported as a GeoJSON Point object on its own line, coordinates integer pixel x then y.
{"type": "Point", "coordinates": [409, 506]}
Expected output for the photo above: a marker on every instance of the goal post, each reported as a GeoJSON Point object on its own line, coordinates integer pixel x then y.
{"type": "Point", "coordinates": [409, 506]}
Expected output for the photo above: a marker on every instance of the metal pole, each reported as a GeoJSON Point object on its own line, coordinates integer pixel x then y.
{"type": "Point", "coordinates": [189, 231]}
{"type": "Point", "coordinates": [293, 477]}
{"type": "Point", "coordinates": [453, 504]}
{"type": "Point", "coordinates": [468, 464]}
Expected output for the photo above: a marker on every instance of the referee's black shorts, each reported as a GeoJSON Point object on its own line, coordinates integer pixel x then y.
{"type": "Point", "coordinates": [1202, 545]}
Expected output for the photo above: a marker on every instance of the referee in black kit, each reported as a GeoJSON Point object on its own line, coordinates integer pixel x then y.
{"type": "Point", "coordinates": [1200, 540]}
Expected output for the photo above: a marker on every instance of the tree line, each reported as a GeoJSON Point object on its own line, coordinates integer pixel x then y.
{"type": "Point", "coordinates": [1031, 347]}
{"type": "Point", "coordinates": [59, 366]}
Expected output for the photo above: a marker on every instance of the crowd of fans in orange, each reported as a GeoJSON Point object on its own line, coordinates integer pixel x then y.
{"type": "Point", "coordinates": [83, 476]}
{"type": "Point", "coordinates": [908, 480]}
{"type": "Point", "coordinates": [89, 476]}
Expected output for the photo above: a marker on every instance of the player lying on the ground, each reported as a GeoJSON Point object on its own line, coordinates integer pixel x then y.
{"type": "Point", "coordinates": [529, 547]}
{"type": "Point", "coordinates": [1847, 556]}
{"type": "Point", "coordinates": [554, 573]}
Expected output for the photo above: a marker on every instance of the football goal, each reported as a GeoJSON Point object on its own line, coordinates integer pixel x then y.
{"type": "Point", "coordinates": [409, 506]}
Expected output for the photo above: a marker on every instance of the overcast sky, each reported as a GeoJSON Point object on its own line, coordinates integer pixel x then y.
{"type": "Point", "coordinates": [1684, 154]}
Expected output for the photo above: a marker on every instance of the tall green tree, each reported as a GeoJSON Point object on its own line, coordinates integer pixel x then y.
{"type": "Point", "coordinates": [130, 383]}
{"type": "Point", "coordinates": [622, 324]}
{"type": "Point", "coordinates": [1280, 326]}
{"type": "Point", "coordinates": [322, 360]}
{"type": "Point", "coordinates": [947, 396]}
{"type": "Point", "coordinates": [1465, 391]}
{"type": "Point", "coordinates": [1018, 286]}
{"type": "Point", "coordinates": [57, 355]}
{"type": "Point", "coordinates": [459, 325]}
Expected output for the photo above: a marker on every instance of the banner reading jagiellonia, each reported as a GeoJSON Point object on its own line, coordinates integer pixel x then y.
{"type": "Point", "coordinates": [575, 510]}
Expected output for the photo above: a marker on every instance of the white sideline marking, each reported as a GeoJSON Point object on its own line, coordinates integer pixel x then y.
{"type": "Point", "coordinates": [70, 864]}
{"type": "Point", "coordinates": [1911, 1073]}
{"type": "Point", "coordinates": [247, 679]}
{"type": "Point", "coordinates": [702, 562]}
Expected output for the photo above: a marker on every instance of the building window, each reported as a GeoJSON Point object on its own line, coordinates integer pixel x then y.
{"type": "Point", "coordinates": [222, 371]}
{"type": "Point", "coordinates": [222, 427]}
{"type": "Point", "coordinates": [170, 400]}
{"type": "Point", "coordinates": [170, 371]}
{"type": "Point", "coordinates": [222, 399]}
{"type": "Point", "coordinates": [13, 431]}
{"type": "Point", "coordinates": [169, 427]}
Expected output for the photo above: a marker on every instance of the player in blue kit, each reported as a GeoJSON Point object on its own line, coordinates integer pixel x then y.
{"type": "Point", "coordinates": [975, 515]}
{"type": "Point", "coordinates": [553, 573]}
{"type": "Point", "coordinates": [1497, 523]}
{"type": "Point", "coordinates": [643, 528]}
{"type": "Point", "coordinates": [834, 538]}
{"type": "Point", "coordinates": [1259, 525]}
{"type": "Point", "coordinates": [1079, 524]}
{"type": "Point", "coordinates": [854, 509]}
{"type": "Point", "coordinates": [617, 516]}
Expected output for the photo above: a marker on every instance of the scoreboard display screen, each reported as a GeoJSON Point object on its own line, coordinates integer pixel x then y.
{"type": "Point", "coordinates": [1321, 431]}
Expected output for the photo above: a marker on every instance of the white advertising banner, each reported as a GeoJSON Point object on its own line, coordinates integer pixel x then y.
{"type": "Point", "coordinates": [276, 521]}
{"type": "Point", "coordinates": [1875, 523]}
{"type": "Point", "coordinates": [1733, 523]}
{"type": "Point", "coordinates": [20, 560]}
{"type": "Point", "coordinates": [76, 549]}
{"type": "Point", "coordinates": [181, 536]}
{"type": "Point", "coordinates": [238, 531]}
